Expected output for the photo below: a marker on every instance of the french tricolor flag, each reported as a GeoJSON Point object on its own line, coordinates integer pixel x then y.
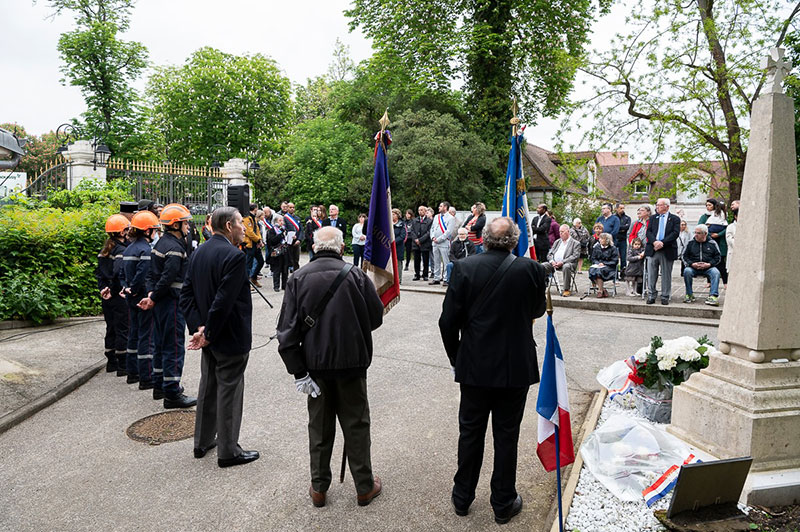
{"type": "Point", "coordinates": [552, 406]}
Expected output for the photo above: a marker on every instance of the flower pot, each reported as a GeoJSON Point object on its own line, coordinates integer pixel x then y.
{"type": "Point", "coordinates": [654, 404]}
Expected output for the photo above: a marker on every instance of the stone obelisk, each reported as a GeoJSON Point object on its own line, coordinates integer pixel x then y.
{"type": "Point", "coordinates": [747, 402]}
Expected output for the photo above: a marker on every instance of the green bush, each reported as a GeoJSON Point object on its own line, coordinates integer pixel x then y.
{"type": "Point", "coordinates": [50, 254]}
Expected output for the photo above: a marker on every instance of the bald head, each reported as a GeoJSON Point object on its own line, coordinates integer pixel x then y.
{"type": "Point", "coordinates": [501, 233]}
{"type": "Point", "coordinates": [328, 239]}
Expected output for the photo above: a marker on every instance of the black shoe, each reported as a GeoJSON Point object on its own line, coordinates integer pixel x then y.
{"type": "Point", "coordinates": [424, 278]}
{"type": "Point", "coordinates": [111, 363]}
{"type": "Point", "coordinates": [200, 452]}
{"type": "Point", "coordinates": [157, 394]}
{"type": "Point", "coordinates": [121, 372]}
{"type": "Point", "coordinates": [506, 516]}
{"type": "Point", "coordinates": [416, 278]}
{"type": "Point", "coordinates": [651, 300]}
{"type": "Point", "coordinates": [181, 401]}
{"type": "Point", "coordinates": [245, 458]}
{"type": "Point", "coordinates": [132, 379]}
{"type": "Point", "coordinates": [434, 282]}
{"type": "Point", "coordinates": [664, 301]}
{"type": "Point", "coordinates": [145, 385]}
{"type": "Point", "coordinates": [460, 510]}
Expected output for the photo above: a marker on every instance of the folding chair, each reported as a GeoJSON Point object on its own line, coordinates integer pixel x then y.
{"type": "Point", "coordinates": [553, 278]}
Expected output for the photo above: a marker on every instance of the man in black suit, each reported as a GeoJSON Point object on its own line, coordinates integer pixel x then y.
{"type": "Point", "coordinates": [421, 244]}
{"type": "Point", "coordinates": [215, 299]}
{"type": "Point", "coordinates": [661, 250]}
{"type": "Point", "coordinates": [333, 220]}
{"type": "Point", "coordinates": [540, 227]}
{"type": "Point", "coordinates": [488, 337]}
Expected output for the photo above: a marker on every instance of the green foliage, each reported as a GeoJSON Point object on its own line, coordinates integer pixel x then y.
{"type": "Point", "coordinates": [683, 78]}
{"type": "Point", "coordinates": [323, 164]}
{"type": "Point", "coordinates": [433, 158]}
{"type": "Point", "coordinates": [104, 67]}
{"type": "Point", "coordinates": [500, 48]}
{"type": "Point", "coordinates": [792, 86]}
{"type": "Point", "coordinates": [40, 151]}
{"type": "Point", "coordinates": [50, 254]}
{"type": "Point", "coordinates": [241, 102]}
{"type": "Point", "coordinates": [89, 191]}
{"type": "Point", "coordinates": [566, 207]}
{"type": "Point", "coordinates": [30, 296]}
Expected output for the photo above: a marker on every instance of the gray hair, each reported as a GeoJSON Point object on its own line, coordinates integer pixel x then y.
{"type": "Point", "coordinates": [703, 228]}
{"type": "Point", "coordinates": [664, 200]}
{"type": "Point", "coordinates": [501, 233]}
{"type": "Point", "coordinates": [220, 218]}
{"type": "Point", "coordinates": [606, 237]}
{"type": "Point", "coordinates": [563, 226]}
{"type": "Point", "coordinates": [328, 239]}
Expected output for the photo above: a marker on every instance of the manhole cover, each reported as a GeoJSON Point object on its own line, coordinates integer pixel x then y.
{"type": "Point", "coordinates": [165, 427]}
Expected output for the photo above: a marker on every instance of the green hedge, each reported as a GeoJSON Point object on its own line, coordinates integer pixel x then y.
{"type": "Point", "coordinates": [48, 254]}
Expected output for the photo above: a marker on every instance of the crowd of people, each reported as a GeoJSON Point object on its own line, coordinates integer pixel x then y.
{"type": "Point", "coordinates": [638, 251]}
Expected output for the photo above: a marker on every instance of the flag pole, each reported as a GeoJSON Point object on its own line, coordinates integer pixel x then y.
{"type": "Point", "coordinates": [549, 309]}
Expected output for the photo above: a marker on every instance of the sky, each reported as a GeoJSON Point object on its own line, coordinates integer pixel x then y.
{"type": "Point", "coordinates": [299, 36]}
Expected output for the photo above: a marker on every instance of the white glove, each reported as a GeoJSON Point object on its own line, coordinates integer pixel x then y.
{"type": "Point", "coordinates": [453, 371]}
{"type": "Point", "coordinates": [307, 386]}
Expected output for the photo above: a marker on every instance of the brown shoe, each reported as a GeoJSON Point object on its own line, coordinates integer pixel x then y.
{"type": "Point", "coordinates": [566, 293]}
{"type": "Point", "coordinates": [255, 282]}
{"type": "Point", "coordinates": [365, 499]}
{"type": "Point", "coordinates": [317, 497]}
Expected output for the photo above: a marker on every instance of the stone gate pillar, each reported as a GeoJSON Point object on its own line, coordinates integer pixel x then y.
{"type": "Point", "coordinates": [80, 155]}
{"type": "Point", "coordinates": [747, 402]}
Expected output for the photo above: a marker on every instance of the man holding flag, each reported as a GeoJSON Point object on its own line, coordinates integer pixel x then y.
{"type": "Point", "coordinates": [487, 331]}
{"type": "Point", "coordinates": [515, 200]}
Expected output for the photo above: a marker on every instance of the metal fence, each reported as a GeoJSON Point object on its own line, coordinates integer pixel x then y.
{"type": "Point", "coordinates": [200, 188]}
{"type": "Point", "coordinates": [51, 179]}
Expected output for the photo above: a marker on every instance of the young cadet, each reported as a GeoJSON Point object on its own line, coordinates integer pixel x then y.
{"type": "Point", "coordinates": [136, 261]}
{"type": "Point", "coordinates": [164, 281]}
{"type": "Point", "coordinates": [115, 311]}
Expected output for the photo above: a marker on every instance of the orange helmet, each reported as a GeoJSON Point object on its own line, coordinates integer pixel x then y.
{"type": "Point", "coordinates": [174, 212]}
{"type": "Point", "coordinates": [144, 220]}
{"type": "Point", "coordinates": [117, 223]}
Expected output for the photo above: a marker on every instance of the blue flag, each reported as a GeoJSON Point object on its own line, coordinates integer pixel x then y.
{"type": "Point", "coordinates": [380, 253]}
{"type": "Point", "coordinates": [515, 201]}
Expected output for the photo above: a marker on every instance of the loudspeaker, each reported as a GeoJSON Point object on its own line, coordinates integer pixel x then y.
{"type": "Point", "coordinates": [239, 197]}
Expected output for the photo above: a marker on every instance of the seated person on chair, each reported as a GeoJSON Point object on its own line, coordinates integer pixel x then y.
{"type": "Point", "coordinates": [700, 259]}
{"type": "Point", "coordinates": [564, 256]}
{"type": "Point", "coordinates": [605, 257]}
{"type": "Point", "coordinates": [460, 248]}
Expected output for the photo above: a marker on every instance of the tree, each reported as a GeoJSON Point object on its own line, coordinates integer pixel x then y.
{"type": "Point", "coordinates": [792, 85]}
{"type": "Point", "coordinates": [685, 78]}
{"type": "Point", "coordinates": [104, 67]}
{"type": "Point", "coordinates": [241, 102]}
{"type": "Point", "coordinates": [40, 151]}
{"type": "Point", "coordinates": [500, 48]}
{"type": "Point", "coordinates": [325, 162]}
{"type": "Point", "coordinates": [434, 158]}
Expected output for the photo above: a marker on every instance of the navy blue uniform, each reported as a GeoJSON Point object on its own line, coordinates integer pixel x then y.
{"type": "Point", "coordinates": [136, 265]}
{"type": "Point", "coordinates": [115, 311]}
{"type": "Point", "coordinates": [164, 281]}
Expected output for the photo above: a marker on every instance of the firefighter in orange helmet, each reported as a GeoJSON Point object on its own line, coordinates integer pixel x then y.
{"type": "Point", "coordinates": [115, 311]}
{"type": "Point", "coordinates": [164, 281]}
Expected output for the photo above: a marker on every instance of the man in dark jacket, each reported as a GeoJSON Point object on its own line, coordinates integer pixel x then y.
{"type": "Point", "coordinates": [421, 242]}
{"type": "Point", "coordinates": [461, 248]}
{"type": "Point", "coordinates": [540, 226]}
{"type": "Point", "coordinates": [215, 300]}
{"type": "Point", "coordinates": [490, 346]}
{"type": "Point", "coordinates": [661, 250]}
{"type": "Point", "coordinates": [328, 350]}
{"type": "Point", "coordinates": [700, 259]}
{"type": "Point", "coordinates": [621, 239]}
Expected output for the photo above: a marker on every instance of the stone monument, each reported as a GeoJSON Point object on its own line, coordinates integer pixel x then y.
{"type": "Point", "coordinates": [747, 402]}
{"type": "Point", "coordinates": [82, 165]}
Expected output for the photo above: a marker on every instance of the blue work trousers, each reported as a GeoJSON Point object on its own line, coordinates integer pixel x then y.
{"type": "Point", "coordinates": [712, 274]}
{"type": "Point", "coordinates": [140, 341]}
{"type": "Point", "coordinates": [169, 352]}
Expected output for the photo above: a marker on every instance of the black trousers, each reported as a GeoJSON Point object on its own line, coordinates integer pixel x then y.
{"type": "Point", "coordinates": [506, 406]}
{"type": "Point", "coordinates": [280, 270]}
{"type": "Point", "coordinates": [542, 249]}
{"type": "Point", "coordinates": [425, 255]}
{"type": "Point", "coordinates": [345, 399]}
{"type": "Point", "coordinates": [408, 251]}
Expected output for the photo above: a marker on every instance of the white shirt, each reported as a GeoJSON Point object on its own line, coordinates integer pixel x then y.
{"type": "Point", "coordinates": [558, 256]}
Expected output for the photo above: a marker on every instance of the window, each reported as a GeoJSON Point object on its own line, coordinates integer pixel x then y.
{"type": "Point", "coordinates": [641, 188]}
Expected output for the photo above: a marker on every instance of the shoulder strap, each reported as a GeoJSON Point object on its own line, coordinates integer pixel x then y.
{"type": "Point", "coordinates": [489, 287]}
{"type": "Point", "coordinates": [311, 319]}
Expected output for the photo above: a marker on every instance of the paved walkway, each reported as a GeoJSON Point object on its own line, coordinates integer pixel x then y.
{"type": "Point", "coordinates": [71, 466]}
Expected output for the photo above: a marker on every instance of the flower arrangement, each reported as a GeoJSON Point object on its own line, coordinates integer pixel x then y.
{"type": "Point", "coordinates": [664, 364]}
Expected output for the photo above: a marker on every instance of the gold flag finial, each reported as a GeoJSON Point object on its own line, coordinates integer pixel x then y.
{"type": "Point", "coordinates": [514, 120]}
{"type": "Point", "coordinates": [384, 121]}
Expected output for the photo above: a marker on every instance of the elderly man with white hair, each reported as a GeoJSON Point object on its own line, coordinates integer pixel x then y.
{"type": "Point", "coordinates": [661, 249]}
{"type": "Point", "coordinates": [700, 259]}
{"type": "Point", "coordinates": [564, 256]}
{"type": "Point", "coordinates": [325, 340]}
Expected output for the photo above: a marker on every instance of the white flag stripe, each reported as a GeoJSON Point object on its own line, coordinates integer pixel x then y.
{"type": "Point", "coordinates": [561, 386]}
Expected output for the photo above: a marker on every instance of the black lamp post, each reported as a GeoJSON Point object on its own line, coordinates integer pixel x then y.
{"type": "Point", "coordinates": [66, 133]}
{"type": "Point", "coordinates": [215, 163]}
